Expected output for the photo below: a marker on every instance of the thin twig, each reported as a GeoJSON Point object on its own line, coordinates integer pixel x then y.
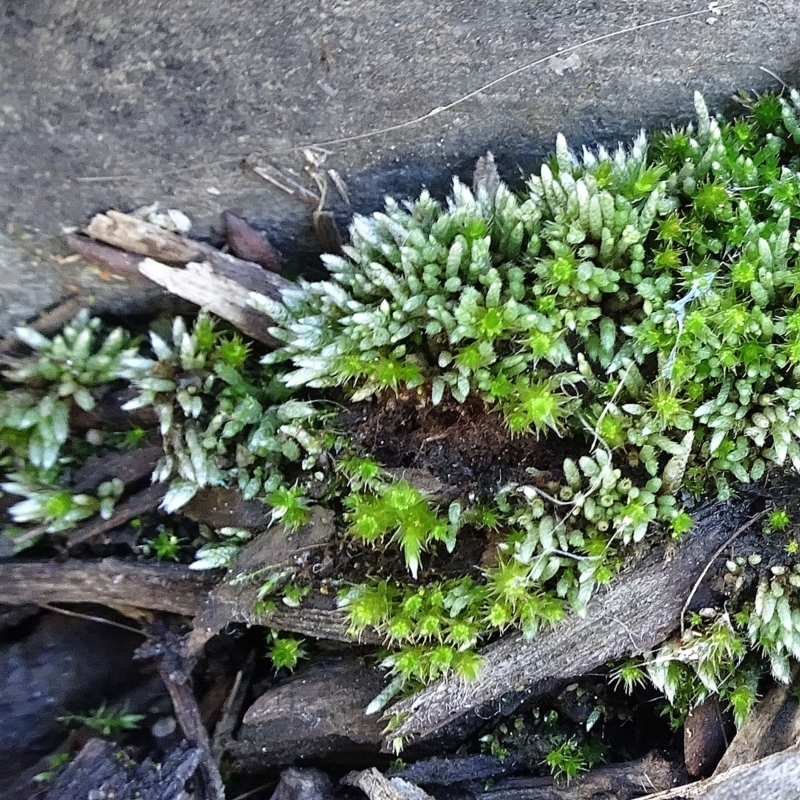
{"type": "Point", "coordinates": [91, 618]}
{"type": "Point", "coordinates": [434, 111]}
{"type": "Point", "coordinates": [713, 558]}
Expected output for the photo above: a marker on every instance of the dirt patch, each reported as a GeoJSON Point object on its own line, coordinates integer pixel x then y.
{"type": "Point", "coordinates": [465, 445]}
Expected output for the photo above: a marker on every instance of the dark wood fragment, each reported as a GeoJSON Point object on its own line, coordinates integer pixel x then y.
{"type": "Point", "coordinates": [190, 720]}
{"type": "Point", "coordinates": [248, 274]}
{"type": "Point", "coordinates": [486, 176]}
{"type": "Point", "coordinates": [706, 735]}
{"type": "Point", "coordinates": [317, 713]}
{"type": "Point", "coordinates": [248, 243]}
{"type": "Point", "coordinates": [234, 707]}
{"type": "Point", "coordinates": [772, 726]}
{"type": "Point", "coordinates": [220, 507]}
{"type": "Point", "coordinates": [134, 506]}
{"type": "Point", "coordinates": [775, 777]}
{"type": "Point", "coordinates": [159, 587]}
{"type": "Point", "coordinates": [99, 771]}
{"type": "Point", "coordinates": [640, 609]}
{"type": "Point", "coordinates": [112, 259]}
{"type": "Point", "coordinates": [130, 466]}
{"type": "Point", "coordinates": [618, 781]}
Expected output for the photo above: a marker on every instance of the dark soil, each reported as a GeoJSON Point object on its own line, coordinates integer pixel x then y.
{"type": "Point", "coordinates": [466, 446]}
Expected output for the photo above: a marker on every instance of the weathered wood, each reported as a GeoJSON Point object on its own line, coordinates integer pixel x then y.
{"type": "Point", "coordinates": [376, 787]}
{"type": "Point", "coordinates": [234, 599]}
{"type": "Point", "coordinates": [772, 778]}
{"type": "Point", "coordinates": [139, 236]}
{"type": "Point", "coordinates": [250, 244]}
{"type": "Point", "coordinates": [134, 506]}
{"type": "Point", "coordinates": [248, 274]}
{"type": "Point", "coordinates": [706, 734]}
{"type": "Point", "coordinates": [318, 713]}
{"type": "Point", "coordinates": [98, 771]}
{"type": "Point", "coordinates": [187, 712]}
{"type": "Point", "coordinates": [772, 726]}
{"type": "Point", "coordinates": [130, 466]}
{"type": "Point", "coordinates": [158, 587]}
{"type": "Point", "coordinates": [640, 609]}
{"type": "Point", "coordinates": [226, 298]}
{"type": "Point", "coordinates": [112, 259]}
{"type": "Point", "coordinates": [618, 781]}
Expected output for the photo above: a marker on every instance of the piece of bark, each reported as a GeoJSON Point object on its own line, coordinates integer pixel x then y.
{"type": "Point", "coordinates": [159, 587]}
{"type": "Point", "coordinates": [775, 777]}
{"type": "Point", "coordinates": [134, 506]}
{"type": "Point", "coordinates": [248, 243]}
{"type": "Point", "coordinates": [111, 259]}
{"type": "Point", "coordinates": [640, 609]}
{"type": "Point", "coordinates": [234, 706]}
{"type": "Point", "coordinates": [377, 787]}
{"type": "Point", "coordinates": [130, 466]}
{"type": "Point", "coordinates": [99, 772]}
{"type": "Point", "coordinates": [772, 726]}
{"type": "Point", "coordinates": [618, 781]}
{"type": "Point", "coordinates": [249, 274]}
{"type": "Point", "coordinates": [317, 713]}
{"type": "Point", "coordinates": [190, 720]}
{"type": "Point", "coordinates": [226, 298]}
{"type": "Point", "coordinates": [220, 507]}
{"type": "Point", "coordinates": [303, 784]}
{"type": "Point", "coordinates": [234, 599]}
{"type": "Point", "coordinates": [139, 236]}
{"type": "Point", "coordinates": [706, 735]}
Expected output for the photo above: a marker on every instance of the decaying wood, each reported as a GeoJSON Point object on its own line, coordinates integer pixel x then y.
{"type": "Point", "coordinates": [98, 772]}
{"type": "Point", "coordinates": [318, 713]}
{"type": "Point", "coordinates": [139, 236]}
{"type": "Point", "coordinates": [618, 781]}
{"type": "Point", "coordinates": [640, 609]}
{"type": "Point", "coordinates": [376, 787]}
{"type": "Point", "coordinates": [130, 466]}
{"type": "Point", "coordinates": [774, 777]}
{"type": "Point", "coordinates": [248, 274]}
{"type": "Point", "coordinates": [707, 733]}
{"type": "Point", "coordinates": [234, 707]}
{"type": "Point", "coordinates": [201, 285]}
{"type": "Point", "coordinates": [772, 726]}
{"type": "Point", "coordinates": [248, 243]}
{"type": "Point", "coordinates": [159, 587]}
{"type": "Point", "coordinates": [234, 599]}
{"type": "Point", "coordinates": [190, 720]}
{"type": "Point", "coordinates": [221, 507]}
{"type": "Point", "coordinates": [134, 506]}
{"type": "Point", "coordinates": [111, 259]}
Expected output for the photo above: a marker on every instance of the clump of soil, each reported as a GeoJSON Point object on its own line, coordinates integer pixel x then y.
{"type": "Point", "coordinates": [461, 444]}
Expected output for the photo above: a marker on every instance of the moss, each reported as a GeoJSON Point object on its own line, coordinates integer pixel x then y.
{"type": "Point", "coordinates": [632, 317]}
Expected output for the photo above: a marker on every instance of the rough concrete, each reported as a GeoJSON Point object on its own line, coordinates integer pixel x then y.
{"type": "Point", "coordinates": [122, 104]}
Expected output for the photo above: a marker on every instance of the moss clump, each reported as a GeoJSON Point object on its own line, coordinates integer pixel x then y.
{"type": "Point", "coordinates": [634, 312]}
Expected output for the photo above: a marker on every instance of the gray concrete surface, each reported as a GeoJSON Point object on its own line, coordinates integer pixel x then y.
{"type": "Point", "coordinates": [124, 103]}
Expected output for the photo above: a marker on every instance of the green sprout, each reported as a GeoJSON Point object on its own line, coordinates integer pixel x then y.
{"type": "Point", "coordinates": [105, 721]}
{"type": "Point", "coordinates": [284, 651]}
